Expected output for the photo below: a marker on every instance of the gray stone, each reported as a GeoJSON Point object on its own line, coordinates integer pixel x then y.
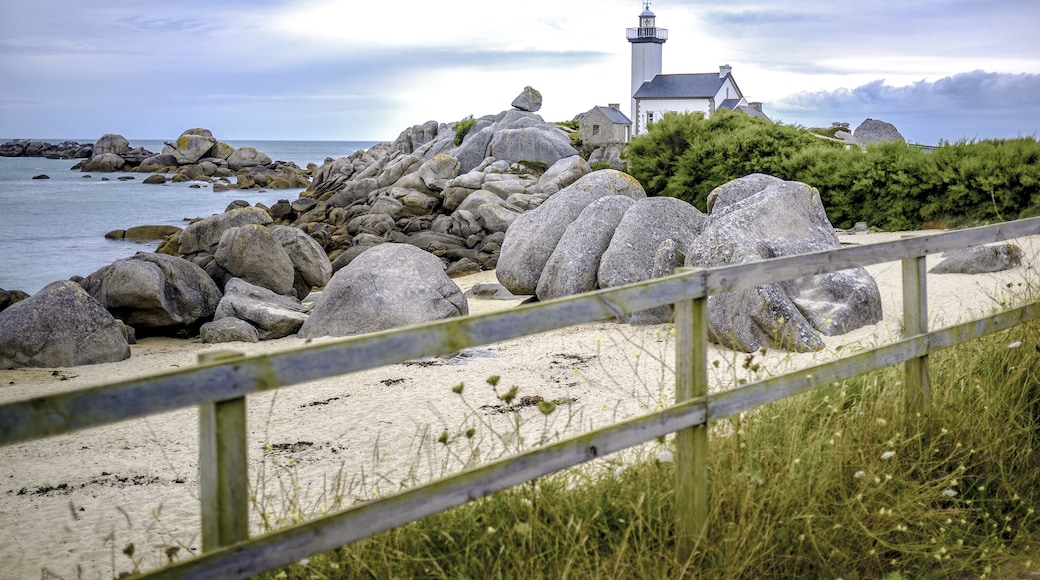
{"type": "Point", "coordinates": [105, 162]}
{"type": "Point", "coordinates": [539, 144]}
{"type": "Point", "coordinates": [191, 146]}
{"type": "Point", "coordinates": [980, 260]}
{"type": "Point", "coordinates": [563, 173]}
{"type": "Point", "coordinates": [491, 292]}
{"type": "Point", "coordinates": [528, 100]}
{"type": "Point", "coordinates": [228, 330]}
{"type": "Point", "coordinates": [245, 157]}
{"type": "Point", "coordinates": [496, 217]}
{"type": "Point", "coordinates": [204, 235]}
{"type": "Point", "coordinates": [438, 172]}
{"type": "Point", "coordinates": [875, 131]}
{"type": "Point", "coordinates": [573, 267]}
{"type": "Point", "coordinates": [111, 143]}
{"type": "Point", "coordinates": [782, 219]}
{"type": "Point", "coordinates": [667, 259]}
{"type": "Point", "coordinates": [307, 257]}
{"type": "Point", "coordinates": [274, 315]}
{"type": "Point", "coordinates": [252, 253]}
{"type": "Point", "coordinates": [532, 237]}
{"type": "Point", "coordinates": [387, 286]}
{"type": "Point", "coordinates": [645, 226]}
{"type": "Point", "coordinates": [154, 293]}
{"type": "Point", "coordinates": [60, 326]}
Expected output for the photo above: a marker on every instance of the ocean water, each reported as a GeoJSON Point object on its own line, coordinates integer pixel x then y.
{"type": "Point", "coordinates": [52, 229]}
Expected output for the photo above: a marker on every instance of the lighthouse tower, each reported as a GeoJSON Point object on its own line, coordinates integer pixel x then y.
{"type": "Point", "coordinates": [646, 41]}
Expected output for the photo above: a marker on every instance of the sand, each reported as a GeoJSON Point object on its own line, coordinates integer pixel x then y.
{"type": "Point", "coordinates": [71, 504]}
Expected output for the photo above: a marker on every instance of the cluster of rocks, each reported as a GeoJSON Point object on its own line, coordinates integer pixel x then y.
{"type": "Point", "coordinates": [36, 148]}
{"type": "Point", "coordinates": [601, 232]}
{"type": "Point", "coordinates": [196, 155]}
{"type": "Point", "coordinates": [453, 197]}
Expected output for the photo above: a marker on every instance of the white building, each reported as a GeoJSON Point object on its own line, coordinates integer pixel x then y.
{"type": "Point", "coordinates": [654, 94]}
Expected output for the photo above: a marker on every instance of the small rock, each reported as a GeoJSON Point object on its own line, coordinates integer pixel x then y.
{"type": "Point", "coordinates": [42, 176]}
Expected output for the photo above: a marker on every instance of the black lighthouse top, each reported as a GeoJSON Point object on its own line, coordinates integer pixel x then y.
{"type": "Point", "coordinates": [647, 30]}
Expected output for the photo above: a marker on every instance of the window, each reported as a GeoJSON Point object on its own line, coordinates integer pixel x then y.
{"type": "Point", "coordinates": [649, 117]}
{"type": "Point", "coordinates": [595, 130]}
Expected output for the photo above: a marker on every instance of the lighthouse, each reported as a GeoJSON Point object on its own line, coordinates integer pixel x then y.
{"type": "Point", "coordinates": [647, 40]}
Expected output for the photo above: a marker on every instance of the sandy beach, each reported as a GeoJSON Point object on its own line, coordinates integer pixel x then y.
{"type": "Point", "coordinates": [71, 504]}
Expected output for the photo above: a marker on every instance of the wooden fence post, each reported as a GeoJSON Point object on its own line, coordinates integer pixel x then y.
{"type": "Point", "coordinates": [691, 444]}
{"type": "Point", "coordinates": [915, 322]}
{"type": "Point", "coordinates": [223, 470]}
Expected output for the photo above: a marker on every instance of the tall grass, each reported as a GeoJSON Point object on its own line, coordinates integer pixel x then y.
{"type": "Point", "coordinates": [840, 482]}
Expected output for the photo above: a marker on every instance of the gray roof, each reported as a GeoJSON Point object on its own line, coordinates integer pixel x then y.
{"type": "Point", "coordinates": [730, 104]}
{"type": "Point", "coordinates": [753, 112]}
{"type": "Point", "coordinates": [615, 115]}
{"type": "Point", "coordinates": [687, 86]}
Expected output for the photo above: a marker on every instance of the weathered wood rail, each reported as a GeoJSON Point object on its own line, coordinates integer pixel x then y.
{"type": "Point", "coordinates": [220, 383]}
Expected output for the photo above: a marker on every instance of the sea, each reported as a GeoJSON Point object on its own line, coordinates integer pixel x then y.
{"type": "Point", "coordinates": [53, 229]}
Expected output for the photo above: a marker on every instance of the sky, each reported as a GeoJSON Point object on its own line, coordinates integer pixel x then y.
{"type": "Point", "coordinates": [349, 70]}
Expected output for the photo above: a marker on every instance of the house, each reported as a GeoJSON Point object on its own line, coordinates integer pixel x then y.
{"type": "Point", "coordinates": [604, 126]}
{"type": "Point", "coordinates": [654, 94]}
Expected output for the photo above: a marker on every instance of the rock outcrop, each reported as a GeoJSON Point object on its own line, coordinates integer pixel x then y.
{"type": "Point", "coordinates": [60, 326]}
{"type": "Point", "coordinates": [387, 286]}
{"type": "Point", "coordinates": [32, 148]}
{"type": "Point", "coordinates": [759, 217]}
{"type": "Point", "coordinates": [196, 155]}
{"type": "Point", "coordinates": [454, 201]}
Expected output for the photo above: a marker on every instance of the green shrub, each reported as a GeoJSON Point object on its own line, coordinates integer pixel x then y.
{"type": "Point", "coordinates": [462, 128]}
{"type": "Point", "coordinates": [891, 185]}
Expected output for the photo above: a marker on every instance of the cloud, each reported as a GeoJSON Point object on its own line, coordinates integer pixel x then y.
{"type": "Point", "coordinates": [976, 104]}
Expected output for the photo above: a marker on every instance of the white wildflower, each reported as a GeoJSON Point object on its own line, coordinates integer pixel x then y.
{"type": "Point", "coordinates": [1015, 344]}
{"type": "Point", "coordinates": [665, 456]}
{"type": "Point", "coordinates": [888, 455]}
{"type": "Point", "coordinates": [859, 474]}
{"type": "Point", "coordinates": [950, 493]}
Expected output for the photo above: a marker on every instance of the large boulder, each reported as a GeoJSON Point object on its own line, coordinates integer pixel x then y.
{"type": "Point", "coordinates": [204, 235]}
{"type": "Point", "coordinates": [781, 218]}
{"type": "Point", "coordinates": [645, 226]}
{"type": "Point", "coordinates": [60, 326]}
{"type": "Point", "coordinates": [228, 330]}
{"type": "Point", "coordinates": [540, 144]}
{"type": "Point", "coordinates": [274, 315]}
{"type": "Point", "coordinates": [245, 157]}
{"type": "Point", "coordinates": [111, 143]}
{"type": "Point", "coordinates": [874, 131]}
{"type": "Point", "coordinates": [563, 173]}
{"type": "Point", "coordinates": [155, 293]}
{"type": "Point", "coordinates": [191, 145]}
{"type": "Point", "coordinates": [250, 252]}
{"type": "Point", "coordinates": [532, 237]}
{"type": "Point", "coordinates": [386, 286]}
{"type": "Point", "coordinates": [529, 100]}
{"type": "Point", "coordinates": [312, 265]}
{"type": "Point", "coordinates": [979, 260]}
{"type": "Point", "coordinates": [438, 172]}
{"type": "Point", "coordinates": [104, 162]}
{"type": "Point", "coordinates": [573, 267]}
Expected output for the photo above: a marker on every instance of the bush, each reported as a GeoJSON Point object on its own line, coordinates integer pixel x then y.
{"type": "Point", "coordinates": [462, 128]}
{"type": "Point", "coordinates": [891, 185]}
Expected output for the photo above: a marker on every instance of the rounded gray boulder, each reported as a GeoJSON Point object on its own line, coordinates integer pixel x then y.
{"type": "Point", "coordinates": [387, 286]}
{"type": "Point", "coordinates": [60, 326]}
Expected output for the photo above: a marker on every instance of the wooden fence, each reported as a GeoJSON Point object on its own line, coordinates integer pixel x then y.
{"type": "Point", "coordinates": [220, 383]}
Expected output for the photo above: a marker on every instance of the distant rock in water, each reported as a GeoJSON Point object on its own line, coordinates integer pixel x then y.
{"type": "Point", "coordinates": [30, 148]}
{"type": "Point", "coordinates": [42, 176]}
{"type": "Point", "coordinates": [196, 155]}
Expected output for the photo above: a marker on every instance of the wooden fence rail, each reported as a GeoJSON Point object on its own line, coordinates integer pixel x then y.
{"type": "Point", "coordinates": [219, 387]}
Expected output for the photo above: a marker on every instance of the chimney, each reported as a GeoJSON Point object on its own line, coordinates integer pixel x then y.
{"type": "Point", "coordinates": [724, 70]}
{"type": "Point", "coordinates": [757, 105]}
{"type": "Point", "coordinates": [614, 106]}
